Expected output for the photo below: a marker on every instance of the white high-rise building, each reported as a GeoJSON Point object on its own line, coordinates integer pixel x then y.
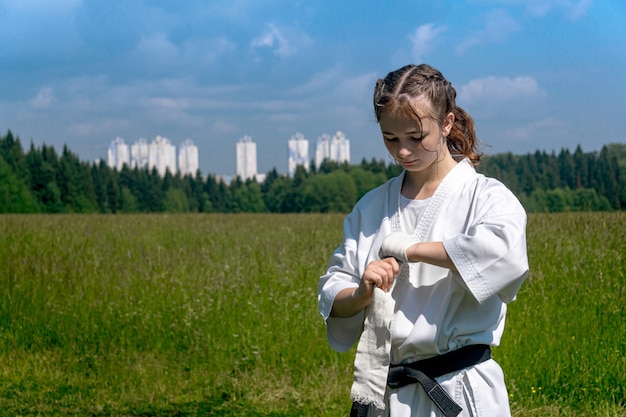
{"type": "Point", "coordinates": [118, 154]}
{"type": "Point", "coordinates": [336, 149]}
{"type": "Point", "coordinates": [322, 150]}
{"type": "Point", "coordinates": [246, 158]}
{"type": "Point", "coordinates": [188, 158]}
{"type": "Point", "coordinates": [298, 153]}
{"type": "Point", "coordinates": [340, 148]}
{"type": "Point", "coordinates": [139, 154]}
{"type": "Point", "coordinates": [162, 156]}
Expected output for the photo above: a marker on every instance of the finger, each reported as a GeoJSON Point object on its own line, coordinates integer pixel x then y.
{"type": "Point", "coordinates": [395, 265]}
{"type": "Point", "coordinates": [390, 268]}
{"type": "Point", "coordinates": [386, 275]}
{"type": "Point", "coordinates": [381, 273]}
{"type": "Point", "coordinates": [374, 277]}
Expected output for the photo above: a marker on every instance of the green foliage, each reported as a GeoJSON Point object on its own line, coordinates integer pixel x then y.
{"type": "Point", "coordinates": [366, 180]}
{"type": "Point", "coordinates": [176, 201]}
{"type": "Point", "coordinates": [554, 179]}
{"type": "Point", "coordinates": [247, 197]}
{"type": "Point", "coordinates": [192, 314]}
{"type": "Point", "coordinates": [565, 200]}
{"type": "Point", "coordinates": [334, 192]}
{"type": "Point", "coordinates": [15, 197]}
{"type": "Point", "coordinates": [544, 182]}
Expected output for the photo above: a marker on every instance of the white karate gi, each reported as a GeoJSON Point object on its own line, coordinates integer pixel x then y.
{"type": "Point", "coordinates": [483, 228]}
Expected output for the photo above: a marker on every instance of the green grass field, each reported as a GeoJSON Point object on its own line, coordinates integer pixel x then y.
{"type": "Point", "coordinates": [185, 315]}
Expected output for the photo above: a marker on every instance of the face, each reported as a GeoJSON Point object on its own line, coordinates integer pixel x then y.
{"type": "Point", "coordinates": [415, 148]}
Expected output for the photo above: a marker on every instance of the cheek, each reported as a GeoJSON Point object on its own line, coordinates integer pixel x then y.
{"type": "Point", "coordinates": [387, 145]}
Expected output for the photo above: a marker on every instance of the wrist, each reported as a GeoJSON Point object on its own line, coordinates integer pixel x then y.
{"type": "Point", "coordinates": [362, 296]}
{"type": "Point", "coordinates": [412, 253]}
{"type": "Point", "coordinates": [362, 293]}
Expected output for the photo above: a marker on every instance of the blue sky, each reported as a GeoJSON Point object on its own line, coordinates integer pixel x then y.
{"type": "Point", "coordinates": [534, 74]}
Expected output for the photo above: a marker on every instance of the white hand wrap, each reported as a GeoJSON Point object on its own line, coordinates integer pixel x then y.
{"type": "Point", "coordinates": [395, 245]}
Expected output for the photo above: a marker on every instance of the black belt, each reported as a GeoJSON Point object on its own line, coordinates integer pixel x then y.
{"type": "Point", "coordinates": [425, 371]}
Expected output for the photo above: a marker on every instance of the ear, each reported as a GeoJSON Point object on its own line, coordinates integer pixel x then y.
{"type": "Point", "coordinates": [448, 122]}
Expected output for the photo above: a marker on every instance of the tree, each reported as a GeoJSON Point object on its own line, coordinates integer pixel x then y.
{"type": "Point", "coordinates": [13, 154]}
{"type": "Point", "coordinates": [15, 197]}
{"type": "Point", "coordinates": [128, 201]}
{"type": "Point", "coordinates": [42, 166]}
{"type": "Point", "coordinates": [606, 177]}
{"type": "Point", "coordinates": [333, 192]}
{"type": "Point", "coordinates": [247, 198]}
{"type": "Point", "coordinates": [220, 195]}
{"type": "Point", "coordinates": [75, 184]}
{"type": "Point", "coordinates": [581, 166]}
{"type": "Point", "coordinates": [619, 151]}
{"type": "Point", "coordinates": [291, 203]}
{"type": "Point", "coordinates": [275, 195]}
{"type": "Point", "coordinates": [567, 169]}
{"type": "Point", "coordinates": [98, 178]}
{"type": "Point", "coordinates": [148, 189]}
{"type": "Point", "coordinates": [587, 199]}
{"type": "Point", "coordinates": [365, 181]}
{"type": "Point", "coordinates": [175, 201]}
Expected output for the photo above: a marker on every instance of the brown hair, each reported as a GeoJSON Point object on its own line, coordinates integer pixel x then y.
{"type": "Point", "coordinates": [400, 90]}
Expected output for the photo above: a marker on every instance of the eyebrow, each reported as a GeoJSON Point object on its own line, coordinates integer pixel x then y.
{"type": "Point", "coordinates": [408, 132]}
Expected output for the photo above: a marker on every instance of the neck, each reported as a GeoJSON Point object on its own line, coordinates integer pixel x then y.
{"type": "Point", "coordinates": [421, 185]}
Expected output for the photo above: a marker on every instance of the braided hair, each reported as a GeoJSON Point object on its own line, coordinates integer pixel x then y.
{"type": "Point", "coordinates": [424, 88]}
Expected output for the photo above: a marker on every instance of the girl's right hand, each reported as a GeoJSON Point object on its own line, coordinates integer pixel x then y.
{"type": "Point", "coordinates": [379, 274]}
{"type": "Point", "coordinates": [350, 301]}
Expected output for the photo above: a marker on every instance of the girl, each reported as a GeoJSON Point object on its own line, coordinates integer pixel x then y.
{"type": "Point", "coordinates": [428, 262]}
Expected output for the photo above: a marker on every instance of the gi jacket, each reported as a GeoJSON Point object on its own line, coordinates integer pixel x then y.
{"type": "Point", "coordinates": [483, 228]}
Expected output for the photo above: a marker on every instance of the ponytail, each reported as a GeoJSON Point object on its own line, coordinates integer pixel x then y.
{"type": "Point", "coordinates": [462, 140]}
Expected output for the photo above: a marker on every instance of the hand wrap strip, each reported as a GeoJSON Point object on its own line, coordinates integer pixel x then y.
{"type": "Point", "coordinates": [395, 245]}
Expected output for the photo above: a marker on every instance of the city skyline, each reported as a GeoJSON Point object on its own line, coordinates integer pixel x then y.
{"type": "Point", "coordinates": [535, 75]}
{"type": "Point", "coordinates": [161, 154]}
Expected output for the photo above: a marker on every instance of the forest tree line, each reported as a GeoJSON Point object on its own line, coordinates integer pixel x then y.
{"type": "Point", "coordinates": [41, 180]}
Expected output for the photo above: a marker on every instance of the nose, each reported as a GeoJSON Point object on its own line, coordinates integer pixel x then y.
{"type": "Point", "coordinates": [404, 149]}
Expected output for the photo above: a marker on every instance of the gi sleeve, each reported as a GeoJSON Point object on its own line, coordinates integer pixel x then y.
{"type": "Point", "coordinates": [491, 255]}
{"type": "Point", "coordinates": [342, 273]}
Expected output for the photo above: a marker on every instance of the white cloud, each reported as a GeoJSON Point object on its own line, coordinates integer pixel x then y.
{"type": "Point", "coordinates": [164, 103]}
{"type": "Point", "coordinates": [274, 39]}
{"type": "Point", "coordinates": [499, 89]}
{"type": "Point", "coordinates": [422, 40]}
{"type": "Point", "coordinates": [43, 100]}
{"type": "Point", "coordinates": [207, 51]}
{"type": "Point", "coordinates": [543, 128]}
{"type": "Point", "coordinates": [357, 88]}
{"type": "Point", "coordinates": [282, 41]}
{"type": "Point", "coordinates": [319, 81]}
{"type": "Point", "coordinates": [572, 9]}
{"type": "Point", "coordinates": [157, 47]}
{"type": "Point", "coordinates": [106, 126]}
{"type": "Point", "coordinates": [498, 25]}
{"type": "Point", "coordinates": [223, 127]}
{"type": "Point", "coordinates": [576, 10]}
{"type": "Point", "coordinates": [234, 10]}
{"type": "Point", "coordinates": [283, 118]}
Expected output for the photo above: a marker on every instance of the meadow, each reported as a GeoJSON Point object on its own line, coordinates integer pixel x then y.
{"type": "Point", "coordinates": [216, 315]}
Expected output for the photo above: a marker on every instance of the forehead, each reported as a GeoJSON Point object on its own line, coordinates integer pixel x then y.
{"type": "Point", "coordinates": [416, 109]}
{"type": "Point", "coordinates": [399, 122]}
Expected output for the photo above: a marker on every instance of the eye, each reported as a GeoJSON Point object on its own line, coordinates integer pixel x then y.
{"type": "Point", "coordinates": [419, 137]}
{"type": "Point", "coordinates": [392, 139]}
